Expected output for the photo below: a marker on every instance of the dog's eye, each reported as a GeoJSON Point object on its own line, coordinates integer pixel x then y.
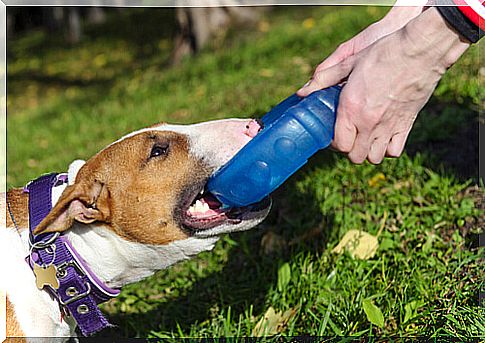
{"type": "Point", "coordinates": [159, 150]}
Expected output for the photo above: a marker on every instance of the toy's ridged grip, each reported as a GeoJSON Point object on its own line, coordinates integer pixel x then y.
{"type": "Point", "coordinates": [293, 131]}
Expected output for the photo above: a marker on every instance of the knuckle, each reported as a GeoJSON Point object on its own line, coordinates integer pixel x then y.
{"type": "Point", "coordinates": [343, 46]}
{"type": "Point", "coordinates": [342, 146]}
{"type": "Point", "coordinates": [350, 106]}
{"type": "Point", "coordinates": [369, 121]}
{"type": "Point", "coordinates": [346, 64]}
{"type": "Point", "coordinates": [318, 77]}
{"type": "Point", "coordinates": [373, 118]}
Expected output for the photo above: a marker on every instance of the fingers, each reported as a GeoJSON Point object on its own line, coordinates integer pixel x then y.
{"type": "Point", "coordinates": [378, 150]}
{"type": "Point", "coordinates": [396, 145]}
{"type": "Point", "coordinates": [343, 51]}
{"type": "Point", "coordinates": [327, 77]}
{"type": "Point", "coordinates": [345, 133]}
{"type": "Point", "coordinates": [360, 135]}
{"type": "Point", "coordinates": [361, 147]}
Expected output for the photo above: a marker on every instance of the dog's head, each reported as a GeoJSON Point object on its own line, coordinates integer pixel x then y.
{"type": "Point", "coordinates": [148, 187]}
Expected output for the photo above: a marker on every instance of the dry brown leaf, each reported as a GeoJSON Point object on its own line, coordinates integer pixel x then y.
{"type": "Point", "coordinates": [359, 244]}
{"type": "Point", "coordinates": [273, 322]}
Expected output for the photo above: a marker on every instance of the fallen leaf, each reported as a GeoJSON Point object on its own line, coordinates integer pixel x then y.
{"type": "Point", "coordinates": [273, 322]}
{"type": "Point", "coordinates": [411, 309]}
{"type": "Point", "coordinates": [373, 313]}
{"type": "Point", "coordinates": [308, 23]}
{"type": "Point", "coordinates": [359, 244]}
{"type": "Point", "coordinates": [376, 179]}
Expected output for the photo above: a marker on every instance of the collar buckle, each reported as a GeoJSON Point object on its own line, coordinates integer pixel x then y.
{"type": "Point", "coordinates": [75, 296]}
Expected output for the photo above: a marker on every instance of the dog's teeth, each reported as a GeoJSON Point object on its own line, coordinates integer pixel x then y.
{"type": "Point", "coordinates": [198, 206]}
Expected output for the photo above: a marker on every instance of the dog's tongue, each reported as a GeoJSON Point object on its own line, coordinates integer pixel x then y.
{"type": "Point", "coordinates": [211, 200]}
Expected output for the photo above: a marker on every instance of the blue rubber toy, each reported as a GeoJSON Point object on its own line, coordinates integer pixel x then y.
{"type": "Point", "coordinates": [292, 132]}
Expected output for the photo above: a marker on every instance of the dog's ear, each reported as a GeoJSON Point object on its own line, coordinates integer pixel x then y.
{"type": "Point", "coordinates": [85, 202]}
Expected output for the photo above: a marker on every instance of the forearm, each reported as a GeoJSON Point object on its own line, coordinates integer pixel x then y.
{"type": "Point", "coordinates": [431, 39]}
{"type": "Point", "coordinates": [402, 12]}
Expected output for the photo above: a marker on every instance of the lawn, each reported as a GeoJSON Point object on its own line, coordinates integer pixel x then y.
{"type": "Point", "coordinates": [425, 208]}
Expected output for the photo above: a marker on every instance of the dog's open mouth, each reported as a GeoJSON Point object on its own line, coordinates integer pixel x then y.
{"type": "Point", "coordinates": [204, 211]}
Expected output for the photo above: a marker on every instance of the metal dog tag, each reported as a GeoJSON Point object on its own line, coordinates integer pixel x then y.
{"type": "Point", "coordinates": [46, 276]}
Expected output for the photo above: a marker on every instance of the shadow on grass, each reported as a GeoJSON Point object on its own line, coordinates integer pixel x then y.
{"type": "Point", "coordinates": [446, 133]}
{"type": "Point", "coordinates": [250, 271]}
{"type": "Point", "coordinates": [146, 33]}
{"type": "Point", "coordinates": [142, 28]}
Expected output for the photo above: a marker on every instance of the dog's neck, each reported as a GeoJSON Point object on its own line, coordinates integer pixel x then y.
{"type": "Point", "coordinates": [114, 260]}
{"type": "Point", "coordinates": [118, 262]}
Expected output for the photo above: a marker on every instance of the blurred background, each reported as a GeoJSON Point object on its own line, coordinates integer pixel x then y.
{"type": "Point", "coordinates": [191, 28]}
{"type": "Point", "coordinates": [79, 78]}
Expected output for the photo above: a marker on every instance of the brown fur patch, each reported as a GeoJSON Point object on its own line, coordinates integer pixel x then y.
{"type": "Point", "coordinates": [13, 326]}
{"type": "Point", "coordinates": [19, 204]}
{"type": "Point", "coordinates": [141, 192]}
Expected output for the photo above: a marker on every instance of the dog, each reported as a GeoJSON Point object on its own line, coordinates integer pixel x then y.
{"type": "Point", "coordinates": [136, 207]}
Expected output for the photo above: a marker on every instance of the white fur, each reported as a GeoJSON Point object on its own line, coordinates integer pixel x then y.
{"type": "Point", "coordinates": [73, 170]}
{"type": "Point", "coordinates": [215, 142]}
{"type": "Point", "coordinates": [57, 192]}
{"type": "Point", "coordinates": [118, 262]}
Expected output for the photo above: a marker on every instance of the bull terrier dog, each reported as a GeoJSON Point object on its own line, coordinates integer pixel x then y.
{"type": "Point", "coordinates": [73, 240]}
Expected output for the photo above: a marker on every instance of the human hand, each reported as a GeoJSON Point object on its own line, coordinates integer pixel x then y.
{"type": "Point", "coordinates": [388, 84]}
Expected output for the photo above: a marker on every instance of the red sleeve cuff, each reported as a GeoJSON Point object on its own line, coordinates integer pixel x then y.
{"type": "Point", "coordinates": [470, 13]}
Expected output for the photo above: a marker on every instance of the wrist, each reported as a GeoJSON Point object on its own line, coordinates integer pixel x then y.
{"type": "Point", "coordinates": [399, 15]}
{"type": "Point", "coordinates": [430, 36]}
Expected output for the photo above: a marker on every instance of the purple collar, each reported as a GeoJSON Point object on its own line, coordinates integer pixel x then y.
{"type": "Point", "coordinates": [58, 267]}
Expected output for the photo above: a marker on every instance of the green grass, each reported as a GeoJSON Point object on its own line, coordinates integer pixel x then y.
{"type": "Point", "coordinates": [69, 102]}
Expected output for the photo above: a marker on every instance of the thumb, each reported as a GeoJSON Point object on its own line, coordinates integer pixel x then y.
{"type": "Point", "coordinates": [327, 77]}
